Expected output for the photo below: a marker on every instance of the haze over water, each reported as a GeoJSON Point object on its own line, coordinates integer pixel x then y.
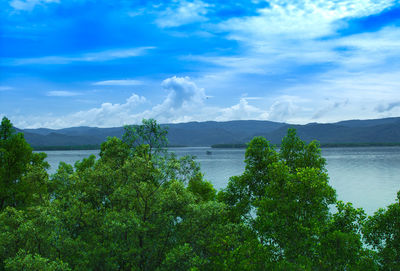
{"type": "Point", "coordinates": [367, 177]}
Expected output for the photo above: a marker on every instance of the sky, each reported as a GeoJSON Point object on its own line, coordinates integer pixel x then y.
{"type": "Point", "coordinates": [66, 63]}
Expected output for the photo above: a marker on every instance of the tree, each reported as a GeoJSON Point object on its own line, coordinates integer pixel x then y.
{"type": "Point", "coordinates": [127, 210]}
{"type": "Point", "coordinates": [297, 154]}
{"type": "Point", "coordinates": [284, 197]}
{"type": "Point", "coordinates": [382, 232]}
{"type": "Point", "coordinates": [243, 191]}
{"type": "Point", "coordinates": [25, 261]}
{"type": "Point", "coordinates": [139, 207]}
{"type": "Point", "coordinates": [294, 211]}
{"type": "Point", "coordinates": [149, 133]}
{"type": "Point", "coordinates": [23, 175]}
{"type": "Point", "coordinates": [341, 241]}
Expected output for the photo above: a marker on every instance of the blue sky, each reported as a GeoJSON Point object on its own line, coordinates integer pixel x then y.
{"type": "Point", "coordinates": [104, 63]}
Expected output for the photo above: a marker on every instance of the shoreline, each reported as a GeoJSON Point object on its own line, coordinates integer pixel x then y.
{"type": "Point", "coordinates": [215, 146]}
{"type": "Point", "coordinates": [324, 145]}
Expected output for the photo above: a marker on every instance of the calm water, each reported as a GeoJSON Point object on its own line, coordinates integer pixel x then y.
{"type": "Point", "coordinates": [367, 177]}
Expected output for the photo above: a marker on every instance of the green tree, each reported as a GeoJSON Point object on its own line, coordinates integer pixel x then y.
{"type": "Point", "coordinates": [149, 133]}
{"type": "Point", "coordinates": [23, 175]}
{"type": "Point", "coordinates": [139, 207]}
{"type": "Point", "coordinates": [292, 214]}
{"type": "Point", "coordinates": [243, 191]}
{"type": "Point", "coordinates": [382, 232]}
{"type": "Point", "coordinates": [125, 210]}
{"type": "Point", "coordinates": [297, 154]}
{"type": "Point", "coordinates": [25, 261]}
{"type": "Point", "coordinates": [284, 197]}
{"type": "Point", "coordinates": [341, 241]}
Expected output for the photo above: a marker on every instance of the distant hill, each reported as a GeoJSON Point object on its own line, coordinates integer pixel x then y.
{"type": "Point", "coordinates": [368, 123]}
{"type": "Point", "coordinates": [230, 132]}
{"type": "Point", "coordinates": [372, 131]}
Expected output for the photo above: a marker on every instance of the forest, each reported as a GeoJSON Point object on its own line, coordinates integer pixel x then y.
{"type": "Point", "coordinates": [140, 207]}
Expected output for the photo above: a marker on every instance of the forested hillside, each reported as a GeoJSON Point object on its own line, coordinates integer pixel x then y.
{"type": "Point", "coordinates": [139, 207]}
{"type": "Point", "coordinates": [209, 133]}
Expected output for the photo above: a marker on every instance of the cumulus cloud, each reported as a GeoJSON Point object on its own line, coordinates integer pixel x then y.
{"type": "Point", "coordinates": [109, 114]}
{"type": "Point", "coordinates": [106, 115]}
{"type": "Point", "coordinates": [184, 102]}
{"type": "Point", "coordinates": [241, 111]}
{"type": "Point", "coordinates": [183, 91]}
{"type": "Point", "coordinates": [281, 110]}
{"type": "Point", "coordinates": [184, 13]}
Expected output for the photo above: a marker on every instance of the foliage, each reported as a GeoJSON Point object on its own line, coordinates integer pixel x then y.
{"type": "Point", "coordinates": [139, 207]}
{"type": "Point", "coordinates": [382, 232]}
{"type": "Point", "coordinates": [149, 133]}
{"type": "Point", "coordinates": [284, 197]}
{"type": "Point", "coordinates": [23, 173]}
{"type": "Point", "coordinates": [24, 261]}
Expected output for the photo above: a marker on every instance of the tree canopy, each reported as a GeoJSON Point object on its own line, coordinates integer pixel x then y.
{"type": "Point", "coordinates": [140, 207]}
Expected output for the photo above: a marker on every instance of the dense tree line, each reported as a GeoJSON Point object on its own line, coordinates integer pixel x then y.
{"type": "Point", "coordinates": [139, 207]}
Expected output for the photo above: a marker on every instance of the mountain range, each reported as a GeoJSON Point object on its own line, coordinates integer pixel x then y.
{"type": "Point", "coordinates": [375, 131]}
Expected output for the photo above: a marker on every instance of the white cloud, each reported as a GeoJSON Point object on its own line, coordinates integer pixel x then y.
{"type": "Point", "coordinates": [185, 13]}
{"type": "Point", "coordinates": [371, 50]}
{"type": "Point", "coordinates": [126, 82]}
{"type": "Point", "coordinates": [109, 114]}
{"type": "Point", "coordinates": [62, 93]}
{"type": "Point", "coordinates": [106, 115]}
{"type": "Point", "coordinates": [282, 110]}
{"type": "Point", "coordinates": [184, 101]}
{"type": "Point", "coordinates": [289, 34]}
{"type": "Point", "coordinates": [241, 111]}
{"type": "Point", "coordinates": [360, 75]}
{"type": "Point", "coordinates": [303, 19]}
{"type": "Point", "coordinates": [183, 91]}
{"type": "Point", "coordinates": [28, 5]}
{"type": "Point", "coordinates": [340, 95]}
{"type": "Point", "coordinates": [88, 57]}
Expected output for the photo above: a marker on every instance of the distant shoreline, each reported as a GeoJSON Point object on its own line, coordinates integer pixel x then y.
{"type": "Point", "coordinates": [67, 148]}
{"type": "Point", "coordinates": [80, 148]}
{"type": "Point", "coordinates": [325, 145]}
{"type": "Point", "coordinates": [215, 146]}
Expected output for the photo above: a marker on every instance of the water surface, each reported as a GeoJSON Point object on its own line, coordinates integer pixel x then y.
{"type": "Point", "coordinates": [369, 177]}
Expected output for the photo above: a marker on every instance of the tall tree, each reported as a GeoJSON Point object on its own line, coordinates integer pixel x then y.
{"type": "Point", "coordinates": [284, 197]}
{"type": "Point", "coordinates": [149, 133]}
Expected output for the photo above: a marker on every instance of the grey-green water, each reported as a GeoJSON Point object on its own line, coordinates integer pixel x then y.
{"type": "Point", "coordinates": [367, 177]}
